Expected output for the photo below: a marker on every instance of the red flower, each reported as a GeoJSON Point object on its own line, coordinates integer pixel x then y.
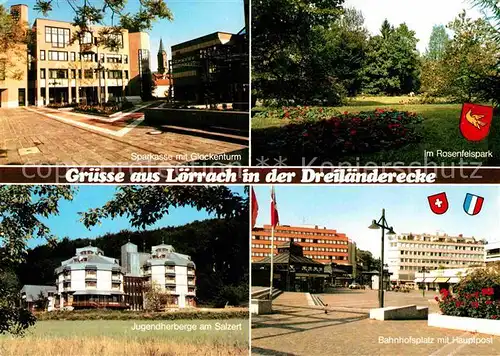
{"type": "Point", "coordinates": [445, 292]}
{"type": "Point", "coordinates": [287, 114]}
{"type": "Point", "coordinates": [305, 134]}
{"type": "Point", "coordinates": [346, 113]}
{"type": "Point", "coordinates": [494, 317]}
{"type": "Point", "coordinates": [488, 291]}
{"type": "Point", "coordinates": [476, 294]}
{"type": "Point", "coordinates": [474, 304]}
{"type": "Point", "coordinates": [353, 132]}
{"type": "Point", "coordinates": [458, 303]}
{"type": "Point", "coordinates": [436, 298]}
{"type": "Point", "coordinates": [488, 302]}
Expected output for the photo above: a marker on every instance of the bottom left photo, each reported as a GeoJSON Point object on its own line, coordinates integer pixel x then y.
{"type": "Point", "coordinates": [124, 270]}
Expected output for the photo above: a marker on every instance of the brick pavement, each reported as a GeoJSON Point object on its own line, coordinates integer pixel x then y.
{"type": "Point", "coordinates": [52, 141]}
{"type": "Point", "coordinates": [303, 330]}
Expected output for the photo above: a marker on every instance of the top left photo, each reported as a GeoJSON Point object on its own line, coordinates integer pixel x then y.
{"type": "Point", "coordinates": [124, 83]}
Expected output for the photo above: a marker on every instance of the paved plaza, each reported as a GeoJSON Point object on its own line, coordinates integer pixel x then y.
{"type": "Point", "coordinates": [296, 328]}
{"type": "Point", "coordinates": [45, 136]}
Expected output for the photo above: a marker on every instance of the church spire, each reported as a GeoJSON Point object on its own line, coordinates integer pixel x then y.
{"type": "Point", "coordinates": [160, 50]}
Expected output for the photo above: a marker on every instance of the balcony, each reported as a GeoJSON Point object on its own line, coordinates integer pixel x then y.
{"type": "Point", "coordinates": [191, 272]}
{"type": "Point", "coordinates": [116, 279]}
{"type": "Point", "coordinates": [170, 271]}
{"type": "Point", "coordinates": [191, 282]}
{"type": "Point", "coordinates": [170, 282]}
{"type": "Point", "coordinates": [67, 277]}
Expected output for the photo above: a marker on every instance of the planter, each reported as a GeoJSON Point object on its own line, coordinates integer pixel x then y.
{"type": "Point", "coordinates": [484, 326]}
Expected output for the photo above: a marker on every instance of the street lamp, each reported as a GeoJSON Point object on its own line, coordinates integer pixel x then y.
{"type": "Point", "coordinates": [381, 224]}
{"type": "Point", "coordinates": [423, 271]}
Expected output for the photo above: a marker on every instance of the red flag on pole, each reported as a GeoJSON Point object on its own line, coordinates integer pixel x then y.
{"type": "Point", "coordinates": [255, 208]}
{"type": "Point", "coordinates": [275, 220]}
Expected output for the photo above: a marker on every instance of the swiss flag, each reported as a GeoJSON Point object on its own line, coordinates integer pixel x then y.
{"type": "Point", "coordinates": [475, 121]}
{"type": "Point", "coordinates": [255, 208]}
{"type": "Point", "coordinates": [438, 203]}
{"type": "Point", "coordinates": [275, 219]}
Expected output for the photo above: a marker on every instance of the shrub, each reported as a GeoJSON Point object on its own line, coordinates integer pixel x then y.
{"type": "Point", "coordinates": [321, 134]}
{"type": "Point", "coordinates": [476, 296]}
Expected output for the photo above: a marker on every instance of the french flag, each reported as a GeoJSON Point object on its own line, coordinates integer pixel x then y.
{"type": "Point", "coordinates": [473, 204]}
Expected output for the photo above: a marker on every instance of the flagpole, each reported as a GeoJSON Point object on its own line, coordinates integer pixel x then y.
{"type": "Point", "coordinates": [272, 265]}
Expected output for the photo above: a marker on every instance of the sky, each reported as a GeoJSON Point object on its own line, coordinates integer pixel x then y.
{"type": "Point", "coordinates": [192, 19]}
{"type": "Point", "coordinates": [351, 209]}
{"type": "Point", "coordinates": [67, 222]}
{"type": "Point", "coordinates": [419, 15]}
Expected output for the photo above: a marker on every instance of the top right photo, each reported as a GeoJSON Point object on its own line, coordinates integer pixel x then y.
{"type": "Point", "coordinates": [385, 83]}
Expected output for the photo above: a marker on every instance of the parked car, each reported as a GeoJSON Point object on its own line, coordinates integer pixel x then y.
{"type": "Point", "coordinates": [355, 285]}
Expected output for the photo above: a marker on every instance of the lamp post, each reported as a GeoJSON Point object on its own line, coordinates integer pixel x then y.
{"type": "Point", "coordinates": [381, 224]}
{"type": "Point", "coordinates": [424, 271]}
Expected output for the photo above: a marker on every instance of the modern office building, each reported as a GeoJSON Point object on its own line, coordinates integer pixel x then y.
{"type": "Point", "coordinates": [62, 65]}
{"type": "Point", "coordinates": [319, 243]}
{"type": "Point", "coordinates": [89, 280]}
{"type": "Point", "coordinates": [212, 69]}
{"type": "Point", "coordinates": [173, 273]}
{"type": "Point", "coordinates": [492, 252]}
{"type": "Point", "coordinates": [407, 254]}
{"type": "Point", "coordinates": [14, 67]}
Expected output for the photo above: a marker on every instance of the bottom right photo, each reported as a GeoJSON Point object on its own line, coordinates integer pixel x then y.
{"type": "Point", "coordinates": [380, 270]}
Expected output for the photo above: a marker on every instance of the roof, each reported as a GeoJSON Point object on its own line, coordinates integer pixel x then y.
{"type": "Point", "coordinates": [173, 259]}
{"type": "Point", "coordinates": [285, 258]}
{"type": "Point", "coordinates": [32, 292]}
{"type": "Point", "coordinates": [94, 261]}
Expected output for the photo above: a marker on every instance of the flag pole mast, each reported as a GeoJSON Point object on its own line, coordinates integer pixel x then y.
{"type": "Point", "coordinates": [272, 251]}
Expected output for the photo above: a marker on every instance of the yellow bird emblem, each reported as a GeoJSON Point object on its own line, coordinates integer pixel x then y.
{"type": "Point", "coordinates": [475, 119]}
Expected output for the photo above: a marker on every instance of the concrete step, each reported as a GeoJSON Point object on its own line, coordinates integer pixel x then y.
{"type": "Point", "coordinates": [406, 312]}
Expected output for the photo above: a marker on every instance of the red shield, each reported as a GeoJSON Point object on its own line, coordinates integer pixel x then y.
{"type": "Point", "coordinates": [475, 121]}
{"type": "Point", "coordinates": [438, 203]}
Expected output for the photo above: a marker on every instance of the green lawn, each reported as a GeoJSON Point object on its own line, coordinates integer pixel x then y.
{"type": "Point", "coordinates": [440, 131]}
{"type": "Point", "coordinates": [118, 337]}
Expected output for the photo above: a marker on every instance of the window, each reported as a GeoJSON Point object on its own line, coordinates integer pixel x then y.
{"type": "Point", "coordinates": [73, 74]}
{"type": "Point", "coordinates": [114, 58]}
{"type": "Point", "coordinates": [2, 69]}
{"type": "Point", "coordinates": [59, 74]}
{"type": "Point", "coordinates": [59, 37]}
{"type": "Point", "coordinates": [88, 73]}
{"type": "Point", "coordinates": [101, 58]}
{"type": "Point", "coordinates": [42, 73]}
{"type": "Point", "coordinates": [125, 59]}
{"type": "Point", "coordinates": [42, 55]}
{"type": "Point", "coordinates": [87, 38]}
{"type": "Point", "coordinates": [72, 57]}
{"type": "Point", "coordinates": [58, 56]}
{"type": "Point", "coordinates": [87, 57]}
{"type": "Point", "coordinates": [115, 74]}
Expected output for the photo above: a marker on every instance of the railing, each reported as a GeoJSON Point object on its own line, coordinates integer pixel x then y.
{"type": "Point", "coordinates": [91, 304]}
{"type": "Point", "coordinates": [191, 282]}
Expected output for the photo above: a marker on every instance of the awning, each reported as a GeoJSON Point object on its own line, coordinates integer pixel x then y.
{"type": "Point", "coordinates": [454, 280]}
{"type": "Point", "coordinates": [429, 279]}
{"type": "Point", "coordinates": [441, 280]}
{"type": "Point", "coordinates": [419, 280]}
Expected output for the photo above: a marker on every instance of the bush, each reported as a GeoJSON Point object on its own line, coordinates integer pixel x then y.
{"type": "Point", "coordinates": [104, 109]}
{"type": "Point", "coordinates": [315, 132]}
{"type": "Point", "coordinates": [192, 314]}
{"type": "Point", "coordinates": [232, 295]}
{"type": "Point", "coordinates": [476, 296]}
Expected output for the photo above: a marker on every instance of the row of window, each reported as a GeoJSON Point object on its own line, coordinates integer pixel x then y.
{"type": "Point", "coordinates": [307, 248]}
{"type": "Point", "coordinates": [86, 57]}
{"type": "Point", "coordinates": [435, 263]}
{"type": "Point", "coordinates": [444, 254]}
{"type": "Point", "coordinates": [297, 239]}
{"type": "Point", "coordinates": [315, 233]}
{"type": "Point", "coordinates": [61, 37]}
{"type": "Point", "coordinates": [316, 257]}
{"type": "Point", "coordinates": [2, 68]}
{"type": "Point", "coordinates": [88, 74]}
{"type": "Point", "coordinates": [437, 246]}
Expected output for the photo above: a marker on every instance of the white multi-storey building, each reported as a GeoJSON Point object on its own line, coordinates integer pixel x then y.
{"type": "Point", "coordinates": [174, 273]}
{"type": "Point", "coordinates": [492, 252]}
{"type": "Point", "coordinates": [89, 279]}
{"type": "Point", "coordinates": [410, 253]}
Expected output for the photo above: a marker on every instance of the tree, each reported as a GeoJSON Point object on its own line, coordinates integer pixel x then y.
{"type": "Point", "coordinates": [13, 42]}
{"type": "Point", "coordinates": [470, 59]}
{"type": "Point", "coordinates": [20, 210]}
{"type": "Point", "coordinates": [437, 43]}
{"type": "Point", "coordinates": [284, 33]}
{"type": "Point", "coordinates": [144, 205]}
{"type": "Point", "coordinates": [393, 66]}
{"type": "Point", "coordinates": [155, 299]}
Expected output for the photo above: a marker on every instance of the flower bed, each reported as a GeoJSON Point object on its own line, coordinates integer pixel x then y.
{"type": "Point", "coordinates": [103, 109]}
{"type": "Point", "coordinates": [320, 132]}
{"type": "Point", "coordinates": [474, 305]}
